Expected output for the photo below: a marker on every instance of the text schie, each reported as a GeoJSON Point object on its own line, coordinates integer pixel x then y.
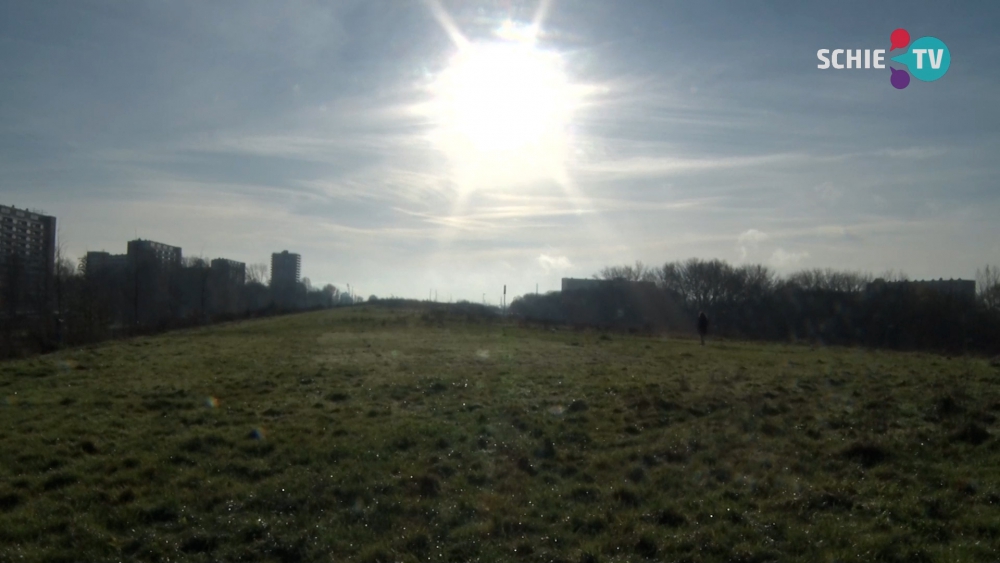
{"type": "Point", "coordinates": [850, 58]}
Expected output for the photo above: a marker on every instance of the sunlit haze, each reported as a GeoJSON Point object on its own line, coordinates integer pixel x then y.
{"type": "Point", "coordinates": [408, 148]}
{"type": "Point", "coordinates": [502, 111]}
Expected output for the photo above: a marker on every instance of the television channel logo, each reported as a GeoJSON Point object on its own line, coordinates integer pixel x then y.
{"type": "Point", "coordinates": [927, 59]}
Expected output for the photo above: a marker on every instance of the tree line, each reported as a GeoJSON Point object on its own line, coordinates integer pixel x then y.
{"type": "Point", "coordinates": [752, 301]}
{"type": "Point", "coordinates": [84, 305]}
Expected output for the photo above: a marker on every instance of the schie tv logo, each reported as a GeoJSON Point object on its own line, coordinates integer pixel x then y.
{"type": "Point", "coordinates": [927, 58]}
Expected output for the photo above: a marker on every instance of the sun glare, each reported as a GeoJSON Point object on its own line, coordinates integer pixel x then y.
{"type": "Point", "coordinates": [502, 109]}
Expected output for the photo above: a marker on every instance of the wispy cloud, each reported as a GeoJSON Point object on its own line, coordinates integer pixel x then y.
{"type": "Point", "coordinates": [748, 241]}
{"type": "Point", "coordinates": [554, 263]}
{"type": "Point", "coordinates": [636, 167]}
{"type": "Point", "coordinates": [307, 126]}
{"type": "Point", "coordinates": [782, 258]}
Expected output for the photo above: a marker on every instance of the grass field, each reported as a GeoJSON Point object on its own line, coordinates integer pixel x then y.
{"type": "Point", "coordinates": [369, 435]}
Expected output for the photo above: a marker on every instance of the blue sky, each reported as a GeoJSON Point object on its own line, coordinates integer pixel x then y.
{"type": "Point", "coordinates": [237, 129]}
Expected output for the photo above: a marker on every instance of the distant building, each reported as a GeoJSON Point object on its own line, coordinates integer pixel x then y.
{"type": "Point", "coordinates": [142, 252]}
{"type": "Point", "coordinates": [285, 269]}
{"type": "Point", "coordinates": [99, 264]}
{"type": "Point", "coordinates": [27, 258]}
{"type": "Point", "coordinates": [573, 284]}
{"type": "Point", "coordinates": [154, 283]}
{"type": "Point", "coordinates": [577, 284]}
{"type": "Point", "coordinates": [229, 270]}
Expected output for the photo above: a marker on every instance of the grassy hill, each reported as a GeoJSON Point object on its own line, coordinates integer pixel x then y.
{"type": "Point", "coordinates": [368, 435]}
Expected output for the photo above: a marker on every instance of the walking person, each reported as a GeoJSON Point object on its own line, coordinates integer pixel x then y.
{"type": "Point", "coordinates": [702, 326]}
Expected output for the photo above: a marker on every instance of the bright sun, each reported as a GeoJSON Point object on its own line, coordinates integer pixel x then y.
{"type": "Point", "coordinates": [504, 97]}
{"type": "Point", "coordinates": [502, 111]}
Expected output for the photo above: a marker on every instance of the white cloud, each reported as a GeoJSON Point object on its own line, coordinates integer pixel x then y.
{"type": "Point", "coordinates": [554, 263]}
{"type": "Point", "coordinates": [782, 258]}
{"type": "Point", "coordinates": [656, 166]}
{"type": "Point", "coordinates": [748, 241]}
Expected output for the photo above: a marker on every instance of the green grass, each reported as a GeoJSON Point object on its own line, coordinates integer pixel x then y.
{"type": "Point", "coordinates": [373, 435]}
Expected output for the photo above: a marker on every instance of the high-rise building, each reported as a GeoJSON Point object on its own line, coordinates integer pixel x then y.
{"type": "Point", "coordinates": [151, 252]}
{"type": "Point", "coordinates": [27, 259]}
{"type": "Point", "coordinates": [285, 278]}
{"type": "Point", "coordinates": [285, 267]}
{"type": "Point", "coordinates": [153, 281]}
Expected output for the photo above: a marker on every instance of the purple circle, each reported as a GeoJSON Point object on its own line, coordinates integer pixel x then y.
{"type": "Point", "coordinates": [900, 78]}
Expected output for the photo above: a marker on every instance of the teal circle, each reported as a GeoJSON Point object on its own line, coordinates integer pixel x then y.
{"type": "Point", "coordinates": [921, 67]}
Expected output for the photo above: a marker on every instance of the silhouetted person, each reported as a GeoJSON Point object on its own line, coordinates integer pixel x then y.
{"type": "Point", "coordinates": [702, 326]}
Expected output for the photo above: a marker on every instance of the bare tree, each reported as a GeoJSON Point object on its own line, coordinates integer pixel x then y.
{"type": "Point", "coordinates": [63, 276]}
{"type": "Point", "coordinates": [332, 294]}
{"type": "Point", "coordinates": [257, 273]}
{"type": "Point", "coordinates": [672, 277]}
{"type": "Point", "coordinates": [638, 272]}
{"type": "Point", "coordinates": [988, 287]}
{"type": "Point", "coordinates": [833, 280]}
{"type": "Point", "coordinates": [752, 282]}
{"type": "Point", "coordinates": [65, 270]}
{"type": "Point", "coordinates": [194, 262]}
{"type": "Point", "coordinates": [894, 276]}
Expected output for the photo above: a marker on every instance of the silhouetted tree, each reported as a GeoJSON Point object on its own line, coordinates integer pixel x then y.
{"type": "Point", "coordinates": [638, 272]}
{"type": "Point", "coordinates": [988, 287]}
{"type": "Point", "coordinates": [830, 280]}
{"type": "Point", "coordinates": [257, 273]}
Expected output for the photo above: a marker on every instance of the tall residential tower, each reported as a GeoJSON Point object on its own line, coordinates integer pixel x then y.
{"type": "Point", "coordinates": [27, 259]}
{"type": "Point", "coordinates": [285, 268]}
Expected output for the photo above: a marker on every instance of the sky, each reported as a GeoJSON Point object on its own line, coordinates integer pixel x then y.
{"type": "Point", "coordinates": [413, 147]}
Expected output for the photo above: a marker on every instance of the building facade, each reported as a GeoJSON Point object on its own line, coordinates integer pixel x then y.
{"type": "Point", "coordinates": [27, 259]}
{"type": "Point", "coordinates": [574, 284]}
{"type": "Point", "coordinates": [147, 251]}
{"type": "Point", "coordinates": [285, 269]}
{"type": "Point", "coordinates": [230, 271]}
{"type": "Point", "coordinates": [101, 263]}
{"type": "Point", "coordinates": [154, 286]}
